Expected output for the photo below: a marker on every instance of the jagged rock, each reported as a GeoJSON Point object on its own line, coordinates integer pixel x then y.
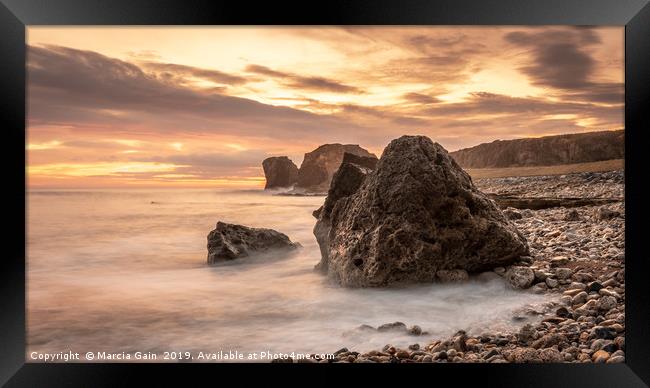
{"type": "Point", "coordinates": [416, 214]}
{"type": "Point", "coordinates": [230, 241]}
{"type": "Point", "coordinates": [319, 166]}
{"type": "Point", "coordinates": [279, 171]}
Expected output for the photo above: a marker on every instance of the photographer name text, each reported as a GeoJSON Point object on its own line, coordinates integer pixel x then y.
{"type": "Point", "coordinates": [227, 355]}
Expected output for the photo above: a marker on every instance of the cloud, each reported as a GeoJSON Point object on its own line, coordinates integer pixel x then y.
{"type": "Point", "coordinates": [561, 59]}
{"type": "Point", "coordinates": [91, 91]}
{"type": "Point", "coordinates": [483, 104]}
{"type": "Point", "coordinates": [215, 76]}
{"type": "Point", "coordinates": [304, 82]}
{"type": "Point", "coordinates": [419, 98]}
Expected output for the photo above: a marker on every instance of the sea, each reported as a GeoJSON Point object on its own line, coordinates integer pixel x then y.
{"type": "Point", "coordinates": [124, 271]}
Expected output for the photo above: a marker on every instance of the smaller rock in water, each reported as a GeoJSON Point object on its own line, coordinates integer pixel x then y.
{"type": "Point", "coordinates": [365, 327]}
{"type": "Point", "coordinates": [392, 326]}
{"type": "Point", "coordinates": [520, 277]}
{"type": "Point", "coordinates": [415, 330]}
{"type": "Point", "coordinates": [230, 241]}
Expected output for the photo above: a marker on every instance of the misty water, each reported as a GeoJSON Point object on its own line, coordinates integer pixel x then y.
{"type": "Point", "coordinates": [125, 271]}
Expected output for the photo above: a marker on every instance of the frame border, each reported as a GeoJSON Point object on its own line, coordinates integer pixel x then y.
{"type": "Point", "coordinates": [16, 15]}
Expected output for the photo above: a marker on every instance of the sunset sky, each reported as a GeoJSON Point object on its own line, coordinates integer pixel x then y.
{"type": "Point", "coordinates": [203, 106]}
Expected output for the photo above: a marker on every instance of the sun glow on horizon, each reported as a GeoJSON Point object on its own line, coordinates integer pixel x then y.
{"type": "Point", "coordinates": [203, 106]}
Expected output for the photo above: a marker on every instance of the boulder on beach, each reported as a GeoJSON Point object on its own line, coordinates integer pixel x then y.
{"type": "Point", "coordinates": [416, 214]}
{"type": "Point", "coordinates": [319, 166]}
{"type": "Point", "coordinates": [280, 172]}
{"type": "Point", "coordinates": [229, 241]}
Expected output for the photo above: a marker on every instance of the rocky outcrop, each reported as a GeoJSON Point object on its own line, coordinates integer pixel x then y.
{"type": "Point", "coordinates": [364, 161]}
{"type": "Point", "coordinates": [319, 166]}
{"type": "Point", "coordinates": [280, 172]}
{"type": "Point", "coordinates": [230, 241]}
{"type": "Point", "coordinates": [416, 214]}
{"type": "Point", "coordinates": [544, 151]}
{"type": "Point", "coordinates": [346, 181]}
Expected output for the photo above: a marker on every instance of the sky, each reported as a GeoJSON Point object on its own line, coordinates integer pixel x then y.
{"type": "Point", "coordinates": [203, 106]}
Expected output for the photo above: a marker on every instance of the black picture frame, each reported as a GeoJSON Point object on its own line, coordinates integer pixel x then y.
{"type": "Point", "coordinates": [15, 15]}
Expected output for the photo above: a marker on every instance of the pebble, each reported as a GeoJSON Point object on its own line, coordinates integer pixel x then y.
{"type": "Point", "coordinates": [616, 360]}
{"type": "Point", "coordinates": [558, 261]}
{"type": "Point", "coordinates": [606, 332]}
{"type": "Point", "coordinates": [594, 286]}
{"type": "Point", "coordinates": [563, 273]}
{"type": "Point", "coordinates": [600, 356]}
{"type": "Point", "coordinates": [551, 283]}
{"type": "Point", "coordinates": [580, 298]}
{"type": "Point", "coordinates": [607, 303]}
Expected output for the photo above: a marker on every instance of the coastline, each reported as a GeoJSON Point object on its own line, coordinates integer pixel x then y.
{"type": "Point", "coordinates": [578, 256]}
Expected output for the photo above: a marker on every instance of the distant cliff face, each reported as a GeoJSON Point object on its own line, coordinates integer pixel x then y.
{"type": "Point", "coordinates": [544, 151]}
{"type": "Point", "coordinates": [279, 171]}
{"type": "Point", "coordinates": [319, 166]}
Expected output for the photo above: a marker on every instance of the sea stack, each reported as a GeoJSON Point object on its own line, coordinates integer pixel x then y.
{"type": "Point", "coordinates": [415, 215]}
{"type": "Point", "coordinates": [280, 172]}
{"type": "Point", "coordinates": [319, 166]}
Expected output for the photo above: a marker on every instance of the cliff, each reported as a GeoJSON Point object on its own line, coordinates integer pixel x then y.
{"type": "Point", "coordinates": [544, 151]}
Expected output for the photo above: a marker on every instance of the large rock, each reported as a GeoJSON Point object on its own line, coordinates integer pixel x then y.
{"type": "Point", "coordinates": [279, 171]}
{"type": "Point", "coordinates": [346, 181]}
{"type": "Point", "coordinates": [363, 161]}
{"type": "Point", "coordinates": [416, 214]}
{"type": "Point", "coordinates": [230, 241]}
{"type": "Point", "coordinates": [319, 166]}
